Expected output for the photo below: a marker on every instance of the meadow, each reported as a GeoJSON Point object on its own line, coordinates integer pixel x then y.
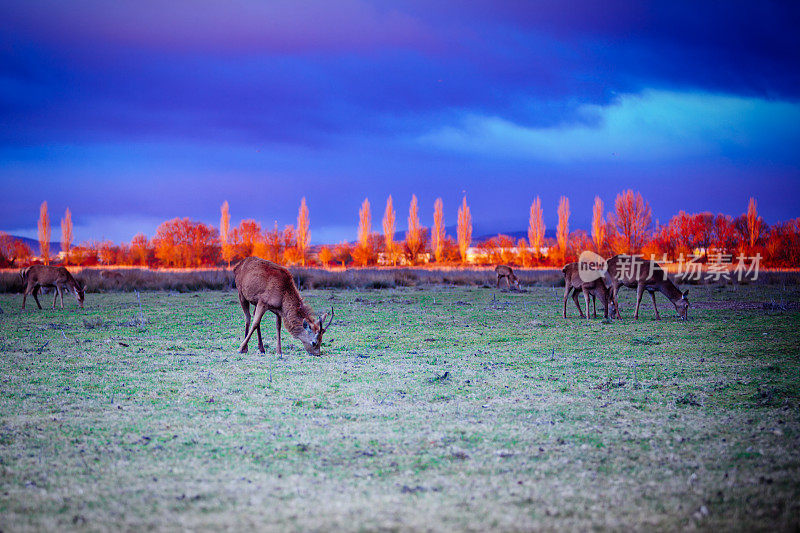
{"type": "Point", "coordinates": [433, 407]}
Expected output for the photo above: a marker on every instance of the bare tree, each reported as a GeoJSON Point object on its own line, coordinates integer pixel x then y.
{"type": "Point", "coordinates": [364, 228]}
{"type": "Point", "coordinates": [598, 224]}
{"type": "Point", "coordinates": [224, 230]}
{"type": "Point", "coordinates": [753, 222]}
{"type": "Point", "coordinates": [66, 234]}
{"type": "Point", "coordinates": [303, 223]}
{"type": "Point", "coordinates": [562, 231]}
{"type": "Point", "coordinates": [536, 227]}
{"type": "Point", "coordinates": [632, 220]}
{"type": "Point", "coordinates": [437, 235]}
{"type": "Point", "coordinates": [388, 229]}
{"type": "Point", "coordinates": [464, 232]}
{"type": "Point", "coordinates": [413, 237]}
{"type": "Point", "coordinates": [44, 233]}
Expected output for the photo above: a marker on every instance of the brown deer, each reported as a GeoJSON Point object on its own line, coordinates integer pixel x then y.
{"type": "Point", "coordinates": [507, 273]}
{"type": "Point", "coordinates": [38, 276]}
{"type": "Point", "coordinates": [596, 289]}
{"type": "Point", "coordinates": [270, 287]}
{"type": "Point", "coordinates": [111, 275]}
{"type": "Point", "coordinates": [644, 275]}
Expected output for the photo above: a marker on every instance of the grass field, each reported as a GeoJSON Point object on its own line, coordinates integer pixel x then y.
{"type": "Point", "coordinates": [433, 408]}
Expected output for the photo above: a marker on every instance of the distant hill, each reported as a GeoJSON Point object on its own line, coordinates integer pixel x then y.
{"type": "Point", "coordinates": [55, 246]}
{"type": "Point", "coordinates": [480, 233]}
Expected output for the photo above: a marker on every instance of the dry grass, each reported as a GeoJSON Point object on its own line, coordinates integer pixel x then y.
{"type": "Point", "coordinates": [306, 278]}
{"type": "Point", "coordinates": [189, 280]}
{"type": "Point", "coordinates": [432, 408]}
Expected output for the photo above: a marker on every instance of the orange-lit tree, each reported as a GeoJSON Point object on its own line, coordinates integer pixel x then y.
{"type": "Point", "coordinates": [325, 256]}
{"type": "Point", "coordinates": [224, 233]}
{"type": "Point", "coordinates": [388, 230]}
{"type": "Point", "coordinates": [13, 252]}
{"type": "Point", "coordinates": [140, 250]}
{"type": "Point", "coordinates": [536, 227]}
{"type": "Point", "coordinates": [413, 233]}
{"type": "Point", "coordinates": [562, 231]}
{"type": "Point", "coordinates": [437, 233]}
{"type": "Point", "coordinates": [632, 219]}
{"type": "Point", "coordinates": [753, 223]}
{"type": "Point", "coordinates": [291, 254]}
{"type": "Point", "coordinates": [245, 237]}
{"type": "Point", "coordinates": [702, 228]}
{"type": "Point", "coordinates": [272, 245]}
{"type": "Point", "coordinates": [66, 234]}
{"type": "Point", "coordinates": [598, 225]}
{"type": "Point", "coordinates": [107, 253]}
{"type": "Point", "coordinates": [724, 234]}
{"type": "Point", "coordinates": [303, 223]}
{"type": "Point", "coordinates": [181, 242]}
{"type": "Point", "coordinates": [44, 233]}
{"type": "Point", "coordinates": [523, 253]}
{"type": "Point", "coordinates": [362, 253]}
{"type": "Point", "coordinates": [464, 230]}
{"type": "Point", "coordinates": [343, 253]}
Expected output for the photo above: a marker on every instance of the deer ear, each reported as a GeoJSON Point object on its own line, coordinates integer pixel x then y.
{"type": "Point", "coordinates": [685, 294]}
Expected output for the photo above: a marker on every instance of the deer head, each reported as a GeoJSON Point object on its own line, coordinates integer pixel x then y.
{"type": "Point", "coordinates": [313, 331]}
{"type": "Point", "coordinates": [682, 305]}
{"type": "Point", "coordinates": [80, 294]}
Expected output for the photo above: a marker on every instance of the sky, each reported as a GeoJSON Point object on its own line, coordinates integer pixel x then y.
{"type": "Point", "coordinates": [134, 112]}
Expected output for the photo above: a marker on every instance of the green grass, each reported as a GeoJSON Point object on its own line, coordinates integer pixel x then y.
{"type": "Point", "coordinates": [540, 422]}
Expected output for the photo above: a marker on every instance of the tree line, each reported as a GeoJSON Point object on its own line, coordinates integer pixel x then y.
{"type": "Point", "coordinates": [627, 228]}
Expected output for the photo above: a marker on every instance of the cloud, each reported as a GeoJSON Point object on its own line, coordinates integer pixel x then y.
{"type": "Point", "coordinates": [652, 126]}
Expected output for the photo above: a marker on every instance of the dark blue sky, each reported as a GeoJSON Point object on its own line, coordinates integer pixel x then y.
{"type": "Point", "coordinates": [130, 113]}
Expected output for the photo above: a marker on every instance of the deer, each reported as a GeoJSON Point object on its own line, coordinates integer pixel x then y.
{"type": "Point", "coordinates": [111, 275]}
{"type": "Point", "coordinates": [596, 289]}
{"type": "Point", "coordinates": [270, 287]}
{"type": "Point", "coordinates": [38, 276]}
{"type": "Point", "coordinates": [507, 273]}
{"type": "Point", "coordinates": [644, 275]}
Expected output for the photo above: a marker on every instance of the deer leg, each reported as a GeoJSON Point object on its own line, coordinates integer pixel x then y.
{"type": "Point", "coordinates": [653, 295]}
{"type": "Point", "coordinates": [260, 310]}
{"type": "Point", "coordinates": [567, 288]}
{"type": "Point", "coordinates": [36, 296]}
{"type": "Point", "coordinates": [246, 308]}
{"type": "Point", "coordinates": [615, 299]}
{"type": "Point", "coordinates": [577, 303]}
{"type": "Point", "coordinates": [639, 294]}
{"type": "Point", "coordinates": [260, 342]}
{"type": "Point", "coordinates": [594, 304]}
{"type": "Point", "coordinates": [61, 296]}
{"type": "Point", "coordinates": [24, 297]}
{"type": "Point", "coordinates": [498, 281]}
{"type": "Point", "coordinates": [586, 297]}
{"type": "Point", "coordinates": [278, 328]}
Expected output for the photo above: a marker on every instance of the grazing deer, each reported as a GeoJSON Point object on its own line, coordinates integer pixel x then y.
{"type": "Point", "coordinates": [111, 275]}
{"type": "Point", "coordinates": [38, 276]}
{"type": "Point", "coordinates": [270, 287]}
{"type": "Point", "coordinates": [505, 271]}
{"type": "Point", "coordinates": [596, 289]}
{"type": "Point", "coordinates": [644, 275]}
